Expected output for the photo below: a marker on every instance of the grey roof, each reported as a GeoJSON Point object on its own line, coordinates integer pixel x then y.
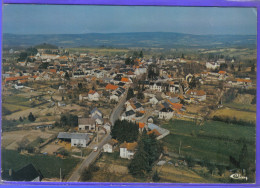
{"type": "Point", "coordinates": [129, 113]}
{"type": "Point", "coordinates": [96, 116]}
{"type": "Point", "coordinates": [95, 109]}
{"type": "Point", "coordinates": [168, 109]}
{"type": "Point", "coordinates": [174, 100]}
{"type": "Point", "coordinates": [86, 121]}
{"type": "Point", "coordinates": [138, 105]}
{"type": "Point", "coordinates": [166, 105]}
{"type": "Point", "coordinates": [159, 129]}
{"type": "Point", "coordinates": [65, 135]}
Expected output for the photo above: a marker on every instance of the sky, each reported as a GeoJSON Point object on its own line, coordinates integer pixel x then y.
{"type": "Point", "coordinates": [79, 19]}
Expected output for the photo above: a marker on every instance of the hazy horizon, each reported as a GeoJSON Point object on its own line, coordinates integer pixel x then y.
{"type": "Point", "coordinates": [89, 19]}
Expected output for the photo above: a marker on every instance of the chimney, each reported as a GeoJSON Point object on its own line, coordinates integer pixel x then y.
{"type": "Point", "coordinates": [10, 172]}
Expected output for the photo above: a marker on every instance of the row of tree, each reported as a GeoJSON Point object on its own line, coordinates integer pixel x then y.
{"type": "Point", "coordinates": [125, 131]}
{"type": "Point", "coordinates": [68, 120]}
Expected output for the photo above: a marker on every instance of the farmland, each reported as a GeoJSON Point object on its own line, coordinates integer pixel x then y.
{"type": "Point", "coordinates": [213, 140]}
{"type": "Point", "coordinates": [48, 165]}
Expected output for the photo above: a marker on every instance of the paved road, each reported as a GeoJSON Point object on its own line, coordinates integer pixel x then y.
{"type": "Point", "coordinates": [118, 109]}
{"type": "Point", "coordinates": [94, 154]}
{"type": "Point", "coordinates": [88, 160]}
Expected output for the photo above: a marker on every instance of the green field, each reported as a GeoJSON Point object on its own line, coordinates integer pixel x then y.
{"type": "Point", "coordinates": [214, 141]}
{"type": "Point", "coordinates": [48, 165]}
{"type": "Point", "coordinates": [242, 107]}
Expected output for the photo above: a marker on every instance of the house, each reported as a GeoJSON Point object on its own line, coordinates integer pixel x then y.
{"type": "Point", "coordinates": [83, 97]}
{"type": "Point", "coordinates": [153, 100]}
{"type": "Point", "coordinates": [127, 150]}
{"type": "Point", "coordinates": [156, 86]}
{"type": "Point", "coordinates": [156, 129]}
{"type": "Point", "coordinates": [111, 87]}
{"type": "Point", "coordinates": [98, 119]}
{"type": "Point", "coordinates": [114, 97]}
{"type": "Point", "coordinates": [87, 124]}
{"type": "Point", "coordinates": [141, 126]}
{"type": "Point", "coordinates": [128, 115]}
{"type": "Point", "coordinates": [107, 125]}
{"type": "Point", "coordinates": [109, 147]}
{"type": "Point", "coordinates": [95, 111]}
{"type": "Point", "coordinates": [93, 95]}
{"type": "Point", "coordinates": [166, 113]}
{"type": "Point", "coordinates": [60, 104]}
{"type": "Point", "coordinates": [76, 139]}
{"type": "Point", "coordinates": [18, 86]}
{"type": "Point", "coordinates": [200, 95]}
{"type": "Point", "coordinates": [244, 82]}
{"type": "Point", "coordinates": [27, 173]}
{"type": "Point", "coordinates": [62, 89]}
{"type": "Point", "coordinates": [212, 65]}
{"type": "Point", "coordinates": [125, 80]}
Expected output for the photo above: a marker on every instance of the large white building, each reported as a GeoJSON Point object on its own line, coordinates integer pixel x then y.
{"type": "Point", "coordinates": [76, 139]}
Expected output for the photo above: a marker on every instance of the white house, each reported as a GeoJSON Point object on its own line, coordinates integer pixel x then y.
{"type": "Point", "coordinates": [114, 97]}
{"type": "Point", "coordinates": [87, 124]}
{"type": "Point", "coordinates": [98, 119]}
{"type": "Point", "coordinates": [212, 65]}
{"type": "Point", "coordinates": [83, 97]}
{"type": "Point", "coordinates": [107, 125]}
{"type": "Point", "coordinates": [127, 150]}
{"type": "Point", "coordinates": [156, 86]}
{"type": "Point", "coordinates": [93, 95]}
{"type": "Point", "coordinates": [109, 147]}
{"type": "Point", "coordinates": [18, 86]}
{"type": "Point", "coordinates": [166, 113]}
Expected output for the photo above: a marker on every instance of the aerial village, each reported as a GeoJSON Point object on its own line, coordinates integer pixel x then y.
{"type": "Point", "coordinates": [63, 104]}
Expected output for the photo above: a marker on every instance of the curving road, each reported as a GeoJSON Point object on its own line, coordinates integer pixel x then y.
{"type": "Point", "coordinates": [75, 176]}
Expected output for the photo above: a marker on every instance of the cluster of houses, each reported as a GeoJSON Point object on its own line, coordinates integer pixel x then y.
{"type": "Point", "coordinates": [86, 126]}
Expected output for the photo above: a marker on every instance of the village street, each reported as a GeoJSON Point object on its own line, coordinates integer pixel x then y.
{"type": "Point", "coordinates": [75, 176]}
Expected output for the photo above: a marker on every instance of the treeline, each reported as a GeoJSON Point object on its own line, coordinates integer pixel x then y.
{"type": "Point", "coordinates": [233, 120]}
{"type": "Point", "coordinates": [125, 131]}
{"type": "Point", "coordinates": [67, 120]}
{"type": "Point", "coordinates": [148, 151]}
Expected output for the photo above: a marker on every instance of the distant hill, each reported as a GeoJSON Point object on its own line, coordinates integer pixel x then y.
{"type": "Point", "coordinates": [141, 39]}
{"type": "Point", "coordinates": [46, 46]}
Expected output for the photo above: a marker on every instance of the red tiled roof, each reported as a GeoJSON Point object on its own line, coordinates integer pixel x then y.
{"type": "Point", "coordinates": [156, 133]}
{"type": "Point", "coordinates": [141, 125]}
{"type": "Point", "coordinates": [125, 80]}
{"type": "Point", "coordinates": [243, 80]}
{"type": "Point", "coordinates": [111, 87]}
{"type": "Point", "coordinates": [91, 92]}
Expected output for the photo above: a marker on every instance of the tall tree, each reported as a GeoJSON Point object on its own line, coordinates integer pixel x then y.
{"type": "Point", "coordinates": [253, 68]}
{"type": "Point", "coordinates": [130, 93]}
{"type": "Point", "coordinates": [31, 117]}
{"type": "Point", "coordinates": [141, 54]}
{"type": "Point", "coordinates": [139, 164]}
{"type": "Point", "coordinates": [140, 94]}
{"type": "Point", "coordinates": [67, 76]}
